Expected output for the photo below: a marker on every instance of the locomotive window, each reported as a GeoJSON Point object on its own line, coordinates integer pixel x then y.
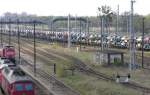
{"type": "Point", "coordinates": [28, 87]}
{"type": "Point", "coordinates": [6, 61]}
{"type": "Point", "coordinates": [19, 72]}
{"type": "Point", "coordinates": [18, 87]}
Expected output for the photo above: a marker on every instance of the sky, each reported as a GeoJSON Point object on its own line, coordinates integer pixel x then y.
{"type": "Point", "coordinates": [73, 7]}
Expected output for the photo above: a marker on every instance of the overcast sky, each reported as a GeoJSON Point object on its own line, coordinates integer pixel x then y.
{"type": "Point", "coordinates": [74, 7]}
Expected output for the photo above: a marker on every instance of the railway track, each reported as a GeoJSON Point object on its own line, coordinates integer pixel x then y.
{"type": "Point", "coordinates": [82, 67]}
{"type": "Point", "coordinates": [39, 89]}
{"type": "Point", "coordinates": [77, 63]}
{"type": "Point", "coordinates": [60, 87]}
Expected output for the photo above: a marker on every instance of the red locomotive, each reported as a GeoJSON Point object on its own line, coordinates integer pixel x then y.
{"type": "Point", "coordinates": [16, 82]}
{"type": "Point", "coordinates": [7, 52]}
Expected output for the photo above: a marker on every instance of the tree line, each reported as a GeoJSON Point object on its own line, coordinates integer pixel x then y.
{"type": "Point", "coordinates": [94, 21]}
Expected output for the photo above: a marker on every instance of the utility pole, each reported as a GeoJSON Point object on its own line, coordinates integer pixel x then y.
{"type": "Point", "coordinates": [1, 34]}
{"type": "Point", "coordinates": [52, 30]}
{"type": "Point", "coordinates": [54, 68]}
{"type": "Point", "coordinates": [117, 30]}
{"type": "Point", "coordinates": [76, 30]}
{"type": "Point", "coordinates": [143, 42]}
{"type": "Point", "coordinates": [87, 25]}
{"type": "Point", "coordinates": [76, 23]}
{"type": "Point", "coordinates": [80, 34]}
{"type": "Point", "coordinates": [132, 39]}
{"type": "Point", "coordinates": [69, 41]}
{"type": "Point", "coordinates": [34, 49]}
{"type": "Point", "coordinates": [18, 40]}
{"type": "Point", "coordinates": [9, 33]}
{"type": "Point", "coordinates": [127, 18]}
{"type": "Point", "coordinates": [64, 43]}
{"type": "Point", "coordinates": [102, 32]}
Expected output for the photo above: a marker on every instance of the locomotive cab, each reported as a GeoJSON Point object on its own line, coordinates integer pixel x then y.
{"type": "Point", "coordinates": [9, 52]}
{"type": "Point", "coordinates": [16, 82]}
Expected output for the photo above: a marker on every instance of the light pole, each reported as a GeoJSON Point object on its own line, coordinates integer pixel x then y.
{"type": "Point", "coordinates": [143, 42]}
{"type": "Point", "coordinates": [87, 26]}
{"type": "Point", "coordinates": [80, 33]}
{"type": "Point", "coordinates": [9, 32]}
{"type": "Point", "coordinates": [18, 40]}
{"type": "Point", "coordinates": [34, 47]}
{"type": "Point", "coordinates": [102, 26]}
{"type": "Point", "coordinates": [1, 34]}
{"type": "Point", "coordinates": [102, 33]}
{"type": "Point", "coordinates": [117, 21]}
{"type": "Point", "coordinates": [69, 41]}
{"type": "Point", "coordinates": [132, 39]}
{"type": "Point", "coordinates": [106, 14]}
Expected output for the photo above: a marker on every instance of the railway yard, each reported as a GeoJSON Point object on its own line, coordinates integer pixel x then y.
{"type": "Point", "coordinates": [107, 54]}
{"type": "Point", "coordinates": [86, 75]}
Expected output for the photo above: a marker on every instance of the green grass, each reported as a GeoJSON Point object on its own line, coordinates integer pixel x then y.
{"type": "Point", "coordinates": [83, 56]}
{"type": "Point", "coordinates": [138, 76]}
{"type": "Point", "coordinates": [87, 85]}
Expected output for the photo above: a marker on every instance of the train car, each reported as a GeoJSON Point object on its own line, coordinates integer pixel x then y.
{"type": "Point", "coordinates": [147, 40]}
{"type": "Point", "coordinates": [16, 82]}
{"type": "Point", "coordinates": [8, 52]}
